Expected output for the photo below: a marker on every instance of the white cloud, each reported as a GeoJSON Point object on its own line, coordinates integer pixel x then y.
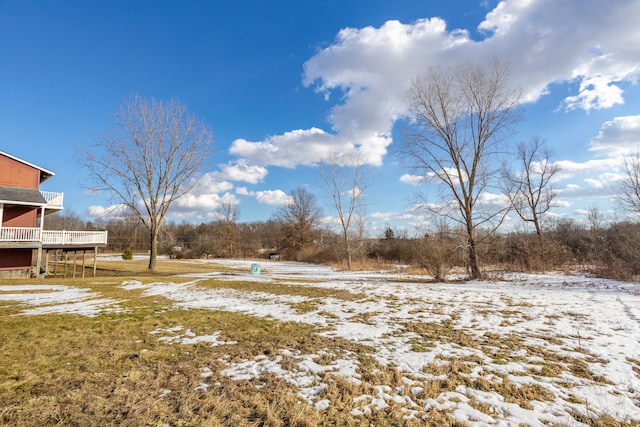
{"type": "Point", "coordinates": [117, 211]}
{"type": "Point", "coordinates": [595, 92]}
{"type": "Point", "coordinates": [241, 170]}
{"type": "Point", "coordinates": [292, 148]}
{"type": "Point", "coordinates": [545, 41]}
{"type": "Point", "coordinates": [193, 202]}
{"type": "Point", "coordinates": [384, 216]}
{"type": "Point", "coordinates": [594, 183]}
{"type": "Point", "coordinates": [213, 189]}
{"type": "Point", "coordinates": [414, 180]}
{"type": "Point", "coordinates": [273, 197]}
{"type": "Point", "coordinates": [617, 137]}
{"type": "Point", "coordinates": [209, 184]}
{"type": "Point", "coordinates": [569, 168]}
{"type": "Point", "coordinates": [491, 202]}
{"type": "Point", "coordinates": [267, 197]}
{"type": "Point", "coordinates": [243, 191]}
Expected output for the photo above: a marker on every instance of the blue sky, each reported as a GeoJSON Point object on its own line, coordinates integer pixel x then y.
{"type": "Point", "coordinates": [301, 79]}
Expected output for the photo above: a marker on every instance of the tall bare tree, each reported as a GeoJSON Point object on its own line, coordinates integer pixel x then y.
{"type": "Point", "coordinates": [345, 185]}
{"type": "Point", "coordinates": [461, 115]}
{"type": "Point", "coordinates": [529, 186]}
{"type": "Point", "coordinates": [628, 189]}
{"type": "Point", "coordinates": [149, 159]}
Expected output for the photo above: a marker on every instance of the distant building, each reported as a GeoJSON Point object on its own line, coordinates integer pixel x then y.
{"type": "Point", "coordinates": [23, 209]}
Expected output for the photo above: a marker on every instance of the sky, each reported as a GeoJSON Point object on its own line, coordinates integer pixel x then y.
{"type": "Point", "coordinates": [284, 84]}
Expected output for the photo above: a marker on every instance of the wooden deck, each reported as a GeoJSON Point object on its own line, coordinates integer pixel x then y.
{"type": "Point", "coordinates": [51, 238]}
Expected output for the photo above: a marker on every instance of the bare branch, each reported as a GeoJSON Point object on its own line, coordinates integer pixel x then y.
{"type": "Point", "coordinates": [628, 190]}
{"type": "Point", "coordinates": [529, 188]}
{"type": "Point", "coordinates": [461, 117]}
{"type": "Point", "coordinates": [149, 159]}
{"type": "Point", "coordinates": [345, 186]}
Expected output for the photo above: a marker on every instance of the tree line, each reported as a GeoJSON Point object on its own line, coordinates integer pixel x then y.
{"type": "Point", "coordinates": [610, 249]}
{"type": "Point", "coordinates": [457, 139]}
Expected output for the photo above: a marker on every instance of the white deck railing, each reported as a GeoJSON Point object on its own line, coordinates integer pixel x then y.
{"type": "Point", "coordinates": [19, 234]}
{"type": "Point", "coordinates": [53, 199]}
{"type": "Point", "coordinates": [74, 237]}
{"type": "Point", "coordinates": [52, 237]}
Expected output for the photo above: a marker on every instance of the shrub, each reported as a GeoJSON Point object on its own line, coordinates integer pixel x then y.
{"type": "Point", "coordinates": [127, 254]}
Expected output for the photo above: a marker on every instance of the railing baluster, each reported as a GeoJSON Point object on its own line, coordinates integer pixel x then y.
{"type": "Point", "coordinates": [31, 234]}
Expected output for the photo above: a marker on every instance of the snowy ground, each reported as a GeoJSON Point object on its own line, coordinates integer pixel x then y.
{"type": "Point", "coordinates": [511, 330]}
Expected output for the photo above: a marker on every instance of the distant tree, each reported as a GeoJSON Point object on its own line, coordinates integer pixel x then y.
{"type": "Point", "coordinates": [460, 118]}
{"type": "Point", "coordinates": [596, 219]}
{"type": "Point", "coordinates": [389, 234]}
{"type": "Point", "coordinates": [300, 219]}
{"type": "Point", "coordinates": [628, 189]}
{"type": "Point", "coordinates": [149, 159]}
{"type": "Point", "coordinates": [528, 183]}
{"type": "Point", "coordinates": [345, 185]}
{"type": "Point", "coordinates": [227, 215]}
{"type": "Point", "coordinates": [65, 220]}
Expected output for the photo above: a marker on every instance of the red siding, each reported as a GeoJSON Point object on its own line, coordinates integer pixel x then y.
{"type": "Point", "coordinates": [17, 174]}
{"type": "Point", "coordinates": [17, 259]}
{"type": "Point", "coordinates": [19, 216]}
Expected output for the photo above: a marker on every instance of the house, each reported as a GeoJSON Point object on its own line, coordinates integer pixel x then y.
{"type": "Point", "coordinates": [23, 211]}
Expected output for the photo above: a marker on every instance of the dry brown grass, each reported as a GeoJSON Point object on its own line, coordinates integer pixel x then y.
{"type": "Point", "coordinates": [282, 289]}
{"type": "Point", "coordinates": [445, 331]}
{"type": "Point", "coordinates": [363, 265]}
{"type": "Point", "coordinates": [139, 268]}
{"type": "Point", "coordinates": [111, 370]}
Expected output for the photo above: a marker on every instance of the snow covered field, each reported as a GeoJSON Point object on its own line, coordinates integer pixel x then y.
{"type": "Point", "coordinates": [568, 344]}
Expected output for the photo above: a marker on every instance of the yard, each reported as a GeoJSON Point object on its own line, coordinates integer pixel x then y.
{"type": "Point", "coordinates": [208, 343]}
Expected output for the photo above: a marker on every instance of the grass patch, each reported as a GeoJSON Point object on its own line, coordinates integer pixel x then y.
{"type": "Point", "coordinates": [282, 289]}
{"type": "Point", "coordinates": [140, 268]}
{"type": "Point", "coordinates": [110, 370]}
{"type": "Point", "coordinates": [599, 420]}
{"type": "Point", "coordinates": [445, 331]}
{"type": "Point", "coordinates": [136, 368]}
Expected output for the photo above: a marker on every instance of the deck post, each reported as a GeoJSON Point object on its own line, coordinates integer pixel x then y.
{"type": "Point", "coordinates": [75, 258]}
{"type": "Point", "coordinates": [84, 251]}
{"type": "Point", "coordinates": [38, 260]}
{"type": "Point", "coordinates": [55, 263]}
{"type": "Point", "coordinates": [95, 258]}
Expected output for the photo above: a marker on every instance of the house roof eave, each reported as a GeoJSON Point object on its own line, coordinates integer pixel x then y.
{"type": "Point", "coordinates": [44, 173]}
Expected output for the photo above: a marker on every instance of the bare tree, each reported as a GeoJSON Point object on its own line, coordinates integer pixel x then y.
{"type": "Point", "coordinates": [67, 220]}
{"type": "Point", "coordinates": [530, 188]}
{"type": "Point", "coordinates": [227, 214]}
{"type": "Point", "coordinates": [149, 159]}
{"type": "Point", "coordinates": [300, 219]}
{"type": "Point", "coordinates": [345, 185]}
{"type": "Point", "coordinates": [461, 116]}
{"type": "Point", "coordinates": [596, 219]}
{"type": "Point", "coordinates": [628, 189]}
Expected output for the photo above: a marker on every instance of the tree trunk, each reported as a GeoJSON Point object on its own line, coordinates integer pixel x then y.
{"type": "Point", "coordinates": [473, 261]}
{"type": "Point", "coordinates": [474, 268]}
{"type": "Point", "coordinates": [347, 247]}
{"type": "Point", "coordinates": [153, 248]}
